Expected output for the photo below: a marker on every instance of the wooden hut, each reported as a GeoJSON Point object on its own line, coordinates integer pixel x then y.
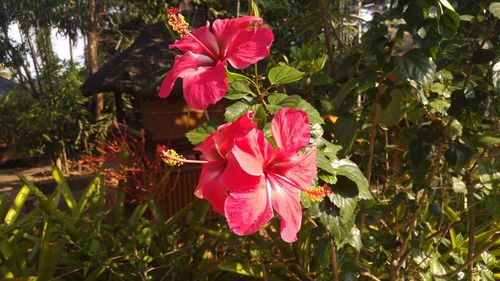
{"type": "Point", "coordinates": [138, 72]}
{"type": "Point", "coordinates": [7, 85]}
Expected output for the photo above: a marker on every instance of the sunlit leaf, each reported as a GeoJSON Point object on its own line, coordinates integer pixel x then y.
{"type": "Point", "coordinates": [284, 74]}
{"type": "Point", "coordinates": [200, 133]}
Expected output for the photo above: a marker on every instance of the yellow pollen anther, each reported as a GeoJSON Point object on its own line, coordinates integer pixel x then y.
{"type": "Point", "coordinates": [317, 193]}
{"type": "Point", "coordinates": [177, 22]}
{"type": "Point", "coordinates": [170, 156]}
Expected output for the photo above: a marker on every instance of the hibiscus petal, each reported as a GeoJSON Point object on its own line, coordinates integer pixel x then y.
{"type": "Point", "coordinates": [209, 149]}
{"type": "Point", "coordinates": [285, 200]}
{"type": "Point", "coordinates": [291, 130]}
{"type": "Point", "coordinates": [250, 46]}
{"type": "Point", "coordinates": [225, 30]}
{"type": "Point", "coordinates": [228, 133]}
{"type": "Point", "coordinates": [246, 212]}
{"type": "Point", "coordinates": [183, 64]}
{"type": "Point", "coordinates": [201, 41]}
{"type": "Point", "coordinates": [251, 151]}
{"type": "Point", "coordinates": [205, 86]}
{"type": "Point", "coordinates": [210, 186]}
{"type": "Point", "coordinates": [297, 171]}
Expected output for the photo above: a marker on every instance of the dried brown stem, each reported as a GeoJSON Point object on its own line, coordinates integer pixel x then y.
{"type": "Point", "coordinates": [335, 272]}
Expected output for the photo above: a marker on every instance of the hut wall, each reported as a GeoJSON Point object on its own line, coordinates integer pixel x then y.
{"type": "Point", "coordinates": [171, 118]}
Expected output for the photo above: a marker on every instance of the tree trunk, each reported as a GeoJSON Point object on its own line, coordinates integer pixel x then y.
{"type": "Point", "coordinates": [120, 114]}
{"type": "Point", "coordinates": [92, 62]}
{"type": "Point", "coordinates": [359, 25]}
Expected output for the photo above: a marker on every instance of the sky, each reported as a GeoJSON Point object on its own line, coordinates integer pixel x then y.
{"type": "Point", "coordinates": [60, 44]}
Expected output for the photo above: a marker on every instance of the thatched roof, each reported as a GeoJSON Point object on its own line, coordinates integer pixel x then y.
{"type": "Point", "coordinates": [6, 85]}
{"type": "Point", "coordinates": [139, 69]}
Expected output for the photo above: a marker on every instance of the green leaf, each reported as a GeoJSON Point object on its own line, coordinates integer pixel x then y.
{"type": "Point", "coordinates": [200, 133]}
{"type": "Point", "coordinates": [459, 155]}
{"type": "Point", "coordinates": [236, 110]}
{"type": "Point", "coordinates": [63, 186]}
{"type": "Point", "coordinates": [496, 78]}
{"type": "Point", "coordinates": [237, 90]}
{"type": "Point", "coordinates": [324, 163]}
{"type": "Point", "coordinates": [137, 214]}
{"type": "Point", "coordinates": [331, 179]}
{"type": "Point", "coordinates": [233, 76]}
{"type": "Point", "coordinates": [415, 66]}
{"type": "Point", "coordinates": [390, 115]}
{"type": "Point", "coordinates": [482, 56]}
{"type": "Point", "coordinates": [241, 268]}
{"type": "Point", "coordinates": [458, 186]}
{"type": "Point", "coordinates": [91, 190]}
{"type": "Point", "coordinates": [344, 201]}
{"type": "Point", "coordinates": [6, 249]}
{"type": "Point", "coordinates": [414, 17]}
{"type": "Point", "coordinates": [495, 9]}
{"type": "Point", "coordinates": [50, 254]}
{"type": "Point", "coordinates": [312, 112]}
{"type": "Point", "coordinates": [3, 203]}
{"type": "Point", "coordinates": [278, 101]}
{"type": "Point", "coordinates": [254, 8]}
{"type": "Point", "coordinates": [355, 239]}
{"type": "Point", "coordinates": [345, 131]}
{"type": "Point", "coordinates": [436, 268]}
{"type": "Point", "coordinates": [260, 115]}
{"type": "Point", "coordinates": [365, 81]}
{"type": "Point", "coordinates": [493, 206]}
{"type": "Point", "coordinates": [94, 275]}
{"type": "Point", "coordinates": [338, 228]}
{"type": "Point", "coordinates": [46, 205]}
{"type": "Point", "coordinates": [284, 74]}
{"type": "Point", "coordinates": [17, 205]}
{"type": "Point", "coordinates": [446, 4]}
{"type": "Point", "coordinates": [320, 79]}
{"type": "Point", "coordinates": [350, 170]}
{"type": "Point", "coordinates": [448, 21]}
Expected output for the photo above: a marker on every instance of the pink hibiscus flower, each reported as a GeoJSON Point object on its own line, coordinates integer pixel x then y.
{"type": "Point", "coordinates": [214, 150]}
{"type": "Point", "coordinates": [207, 51]}
{"type": "Point", "coordinates": [261, 178]}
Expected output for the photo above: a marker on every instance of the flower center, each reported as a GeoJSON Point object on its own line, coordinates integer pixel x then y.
{"type": "Point", "coordinates": [178, 23]}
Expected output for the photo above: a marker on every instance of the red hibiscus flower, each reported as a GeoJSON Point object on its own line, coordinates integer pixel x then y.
{"type": "Point", "coordinates": [207, 51]}
{"type": "Point", "coordinates": [261, 178]}
{"type": "Point", "coordinates": [214, 150]}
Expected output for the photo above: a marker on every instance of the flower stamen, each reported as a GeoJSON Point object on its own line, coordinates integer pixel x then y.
{"type": "Point", "coordinates": [317, 193]}
{"type": "Point", "coordinates": [177, 21]}
{"type": "Point", "coordinates": [172, 158]}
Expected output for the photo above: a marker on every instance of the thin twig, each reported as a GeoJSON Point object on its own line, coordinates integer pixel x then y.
{"type": "Point", "coordinates": [471, 225]}
{"type": "Point", "coordinates": [369, 276]}
{"type": "Point", "coordinates": [470, 66]}
{"type": "Point", "coordinates": [373, 132]}
{"type": "Point", "coordinates": [323, 11]}
{"type": "Point", "coordinates": [473, 258]}
{"type": "Point", "coordinates": [399, 256]}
